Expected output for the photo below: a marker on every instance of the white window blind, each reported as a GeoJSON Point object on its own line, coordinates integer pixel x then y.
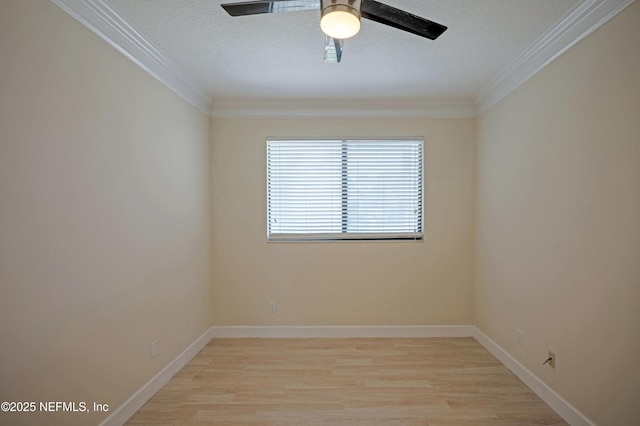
{"type": "Point", "coordinates": [344, 189]}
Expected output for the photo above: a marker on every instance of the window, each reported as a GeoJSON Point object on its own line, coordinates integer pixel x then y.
{"type": "Point", "coordinates": [344, 190]}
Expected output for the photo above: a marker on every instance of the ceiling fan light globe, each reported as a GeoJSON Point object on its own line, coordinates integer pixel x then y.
{"type": "Point", "coordinates": [340, 24]}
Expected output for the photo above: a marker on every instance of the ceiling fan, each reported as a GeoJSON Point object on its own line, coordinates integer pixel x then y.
{"type": "Point", "coordinates": [340, 19]}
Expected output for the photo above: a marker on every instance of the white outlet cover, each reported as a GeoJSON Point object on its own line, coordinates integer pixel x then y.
{"type": "Point", "coordinates": [153, 349]}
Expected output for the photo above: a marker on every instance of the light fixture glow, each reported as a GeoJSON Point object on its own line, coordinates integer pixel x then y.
{"type": "Point", "coordinates": [340, 21]}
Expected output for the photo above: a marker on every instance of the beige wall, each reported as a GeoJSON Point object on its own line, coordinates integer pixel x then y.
{"type": "Point", "coordinates": [105, 189]}
{"type": "Point", "coordinates": [348, 283]}
{"type": "Point", "coordinates": [104, 217]}
{"type": "Point", "coordinates": [558, 222]}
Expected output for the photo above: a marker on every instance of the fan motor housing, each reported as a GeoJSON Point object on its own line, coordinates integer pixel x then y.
{"type": "Point", "coordinates": [350, 6]}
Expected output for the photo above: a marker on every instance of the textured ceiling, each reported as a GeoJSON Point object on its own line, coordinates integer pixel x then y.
{"type": "Point", "coordinates": [280, 55]}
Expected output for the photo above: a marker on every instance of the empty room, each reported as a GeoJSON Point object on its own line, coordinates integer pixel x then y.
{"type": "Point", "coordinates": [320, 212]}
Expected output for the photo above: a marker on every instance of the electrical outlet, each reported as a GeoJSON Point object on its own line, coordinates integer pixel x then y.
{"type": "Point", "coordinates": [552, 359]}
{"type": "Point", "coordinates": [153, 349]}
{"type": "Point", "coordinates": [520, 337]}
{"type": "Point", "coordinates": [273, 307]}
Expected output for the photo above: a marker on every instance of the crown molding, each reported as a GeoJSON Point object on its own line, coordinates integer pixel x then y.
{"type": "Point", "coordinates": [336, 108]}
{"type": "Point", "coordinates": [576, 25]}
{"type": "Point", "coordinates": [105, 22]}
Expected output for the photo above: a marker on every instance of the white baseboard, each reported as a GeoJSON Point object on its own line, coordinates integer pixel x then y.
{"type": "Point", "coordinates": [287, 332]}
{"type": "Point", "coordinates": [138, 399]}
{"type": "Point", "coordinates": [567, 411]}
{"type": "Point", "coordinates": [125, 411]}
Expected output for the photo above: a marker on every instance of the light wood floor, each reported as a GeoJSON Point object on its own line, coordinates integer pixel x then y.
{"type": "Point", "coordinates": [427, 381]}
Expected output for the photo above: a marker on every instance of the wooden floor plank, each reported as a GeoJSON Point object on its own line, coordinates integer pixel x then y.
{"type": "Point", "coordinates": [423, 381]}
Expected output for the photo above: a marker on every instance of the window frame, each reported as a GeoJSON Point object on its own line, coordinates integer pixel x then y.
{"type": "Point", "coordinates": [348, 236]}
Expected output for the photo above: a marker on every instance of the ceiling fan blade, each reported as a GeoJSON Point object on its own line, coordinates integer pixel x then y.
{"type": "Point", "coordinates": [400, 19]}
{"type": "Point", "coordinates": [272, 6]}
{"type": "Point", "coordinates": [333, 49]}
